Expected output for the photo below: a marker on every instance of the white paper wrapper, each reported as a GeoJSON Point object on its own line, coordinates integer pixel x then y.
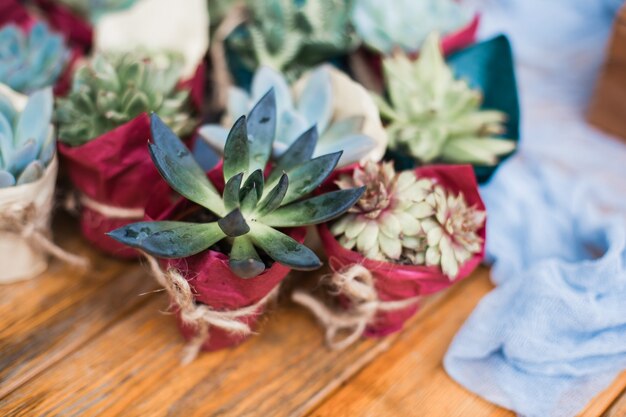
{"type": "Point", "coordinates": [19, 258]}
{"type": "Point", "coordinates": [157, 25]}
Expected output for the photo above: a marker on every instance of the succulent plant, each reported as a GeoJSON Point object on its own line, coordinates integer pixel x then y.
{"type": "Point", "coordinates": [434, 116]}
{"type": "Point", "coordinates": [252, 204]}
{"type": "Point", "coordinates": [407, 24]}
{"type": "Point", "coordinates": [33, 60]}
{"type": "Point", "coordinates": [27, 143]}
{"type": "Point", "coordinates": [405, 219]}
{"type": "Point", "coordinates": [112, 89]}
{"type": "Point", "coordinates": [293, 36]}
{"type": "Point", "coordinates": [93, 9]}
{"type": "Point", "coordinates": [313, 107]}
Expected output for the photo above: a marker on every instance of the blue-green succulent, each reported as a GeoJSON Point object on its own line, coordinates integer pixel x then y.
{"type": "Point", "coordinates": [296, 113]}
{"type": "Point", "coordinates": [255, 203]}
{"type": "Point", "coordinates": [27, 143]}
{"type": "Point", "coordinates": [406, 23]}
{"type": "Point", "coordinates": [33, 60]}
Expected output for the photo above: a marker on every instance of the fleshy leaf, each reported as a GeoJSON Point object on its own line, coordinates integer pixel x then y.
{"type": "Point", "coordinates": [299, 152]}
{"type": "Point", "coordinates": [6, 179]}
{"type": "Point", "coordinates": [31, 173]}
{"type": "Point", "coordinates": [314, 210]}
{"type": "Point", "coordinates": [283, 248]}
{"type": "Point", "coordinates": [316, 101]}
{"type": "Point", "coordinates": [244, 260]}
{"type": "Point", "coordinates": [234, 224]}
{"type": "Point", "coordinates": [254, 181]}
{"type": "Point", "coordinates": [169, 239]}
{"type": "Point", "coordinates": [308, 176]}
{"type": "Point", "coordinates": [231, 192]}
{"type": "Point", "coordinates": [275, 197]}
{"type": "Point", "coordinates": [236, 151]}
{"type": "Point", "coordinates": [261, 130]}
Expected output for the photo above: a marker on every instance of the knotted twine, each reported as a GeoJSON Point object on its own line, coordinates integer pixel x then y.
{"type": "Point", "coordinates": [30, 222]}
{"type": "Point", "coordinates": [357, 284]}
{"type": "Point", "coordinates": [111, 212]}
{"type": "Point", "coordinates": [200, 316]}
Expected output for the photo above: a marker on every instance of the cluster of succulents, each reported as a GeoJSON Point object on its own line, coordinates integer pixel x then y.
{"type": "Point", "coordinates": [402, 218]}
{"type": "Point", "coordinates": [434, 116]}
{"type": "Point", "coordinates": [293, 36]}
{"type": "Point", "coordinates": [112, 89]}
{"type": "Point", "coordinates": [407, 24]}
{"type": "Point", "coordinates": [31, 60]}
{"type": "Point", "coordinates": [93, 9]}
{"type": "Point", "coordinates": [253, 204]}
{"type": "Point", "coordinates": [295, 115]}
{"type": "Point", "coordinates": [27, 142]}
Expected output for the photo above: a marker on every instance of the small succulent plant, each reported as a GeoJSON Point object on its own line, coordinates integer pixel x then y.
{"type": "Point", "coordinates": [407, 23]}
{"type": "Point", "coordinates": [112, 89]}
{"type": "Point", "coordinates": [33, 60]}
{"type": "Point", "coordinates": [405, 219]}
{"type": "Point", "coordinates": [434, 116]}
{"type": "Point", "coordinates": [313, 107]}
{"type": "Point", "coordinates": [93, 9]}
{"type": "Point", "coordinates": [293, 36]}
{"type": "Point", "coordinates": [27, 143]}
{"type": "Point", "coordinates": [252, 204]}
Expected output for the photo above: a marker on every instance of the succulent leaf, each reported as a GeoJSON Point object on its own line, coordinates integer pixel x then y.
{"type": "Point", "coordinates": [160, 238]}
{"type": "Point", "coordinates": [231, 192]}
{"type": "Point", "coordinates": [244, 259]}
{"type": "Point", "coordinates": [262, 128]}
{"type": "Point", "coordinates": [236, 150]}
{"type": "Point", "coordinates": [284, 249]}
{"type": "Point", "coordinates": [234, 224]}
{"type": "Point", "coordinates": [275, 197]}
{"type": "Point", "coordinates": [308, 176]}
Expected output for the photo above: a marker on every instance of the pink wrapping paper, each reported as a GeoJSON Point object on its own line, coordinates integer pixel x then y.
{"type": "Point", "coordinates": [210, 276]}
{"type": "Point", "coordinates": [449, 44]}
{"type": "Point", "coordinates": [395, 282]}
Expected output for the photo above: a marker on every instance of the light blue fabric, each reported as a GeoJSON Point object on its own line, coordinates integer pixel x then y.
{"type": "Point", "coordinates": [552, 334]}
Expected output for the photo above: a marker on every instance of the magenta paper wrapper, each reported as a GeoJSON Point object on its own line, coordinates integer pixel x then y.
{"type": "Point", "coordinates": [208, 272]}
{"type": "Point", "coordinates": [395, 282]}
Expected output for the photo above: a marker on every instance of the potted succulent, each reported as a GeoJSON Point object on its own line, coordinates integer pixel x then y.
{"type": "Point", "coordinates": [28, 169]}
{"type": "Point", "coordinates": [434, 116]}
{"type": "Point", "coordinates": [405, 27]}
{"type": "Point", "coordinates": [411, 234]}
{"type": "Point", "coordinates": [103, 129]}
{"type": "Point", "coordinates": [342, 111]}
{"type": "Point", "coordinates": [290, 37]}
{"type": "Point", "coordinates": [238, 242]}
{"type": "Point", "coordinates": [33, 58]}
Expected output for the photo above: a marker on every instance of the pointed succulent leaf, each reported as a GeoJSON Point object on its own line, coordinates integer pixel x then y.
{"type": "Point", "coordinates": [275, 197]}
{"type": "Point", "coordinates": [299, 152]}
{"type": "Point", "coordinates": [261, 126]}
{"type": "Point", "coordinates": [234, 224]}
{"type": "Point", "coordinates": [254, 182]}
{"type": "Point", "coordinates": [185, 180]}
{"type": "Point", "coordinates": [244, 260]}
{"type": "Point", "coordinates": [236, 151]}
{"type": "Point", "coordinates": [250, 200]}
{"type": "Point", "coordinates": [283, 248]}
{"type": "Point", "coordinates": [359, 145]}
{"type": "Point", "coordinates": [34, 120]}
{"type": "Point", "coordinates": [23, 156]}
{"type": "Point", "coordinates": [214, 135]}
{"type": "Point", "coordinates": [314, 210]}
{"type": "Point", "coordinates": [231, 192]}
{"type": "Point", "coordinates": [31, 173]}
{"type": "Point", "coordinates": [308, 176]}
{"type": "Point", "coordinates": [6, 179]}
{"type": "Point", "coordinates": [316, 101]}
{"type": "Point", "coordinates": [343, 127]}
{"type": "Point", "coordinates": [169, 239]}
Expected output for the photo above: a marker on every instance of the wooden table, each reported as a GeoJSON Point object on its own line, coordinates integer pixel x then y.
{"type": "Point", "coordinates": [78, 343]}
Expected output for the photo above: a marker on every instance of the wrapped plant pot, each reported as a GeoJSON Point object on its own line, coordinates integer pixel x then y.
{"type": "Point", "coordinates": [104, 129]}
{"type": "Point", "coordinates": [248, 209]}
{"type": "Point", "coordinates": [28, 170]}
{"type": "Point", "coordinates": [344, 113]}
{"type": "Point", "coordinates": [411, 234]}
{"type": "Point", "coordinates": [466, 111]}
{"type": "Point", "coordinates": [404, 27]}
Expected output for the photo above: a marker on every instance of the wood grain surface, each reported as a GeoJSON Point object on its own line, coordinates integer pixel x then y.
{"type": "Point", "coordinates": [78, 343]}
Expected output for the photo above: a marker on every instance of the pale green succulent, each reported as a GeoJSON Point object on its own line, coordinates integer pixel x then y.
{"type": "Point", "coordinates": [254, 202]}
{"type": "Point", "coordinates": [406, 23]}
{"type": "Point", "coordinates": [27, 143]}
{"type": "Point", "coordinates": [405, 219]}
{"type": "Point", "coordinates": [31, 60]}
{"type": "Point", "coordinates": [94, 9]}
{"type": "Point", "coordinates": [293, 36]}
{"type": "Point", "coordinates": [295, 115]}
{"type": "Point", "coordinates": [111, 90]}
{"type": "Point", "coordinates": [435, 117]}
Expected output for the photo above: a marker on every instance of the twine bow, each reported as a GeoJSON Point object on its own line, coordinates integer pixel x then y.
{"type": "Point", "coordinates": [355, 282]}
{"type": "Point", "coordinates": [30, 223]}
{"type": "Point", "coordinates": [200, 316]}
{"type": "Point", "coordinates": [73, 201]}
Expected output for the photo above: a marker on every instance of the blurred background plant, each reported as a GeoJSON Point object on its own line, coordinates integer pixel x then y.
{"type": "Point", "coordinates": [94, 9]}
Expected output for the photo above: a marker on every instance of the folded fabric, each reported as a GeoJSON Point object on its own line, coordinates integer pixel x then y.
{"type": "Point", "coordinates": [552, 334]}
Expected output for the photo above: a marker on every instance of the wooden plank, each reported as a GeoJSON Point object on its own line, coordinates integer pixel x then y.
{"type": "Point", "coordinates": [133, 369]}
{"type": "Point", "coordinates": [47, 318]}
{"type": "Point", "coordinates": [409, 379]}
{"type": "Point", "coordinates": [618, 408]}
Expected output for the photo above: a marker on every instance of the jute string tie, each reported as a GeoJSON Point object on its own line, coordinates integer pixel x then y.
{"type": "Point", "coordinates": [200, 316]}
{"type": "Point", "coordinates": [73, 201]}
{"type": "Point", "coordinates": [29, 221]}
{"type": "Point", "coordinates": [355, 282]}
